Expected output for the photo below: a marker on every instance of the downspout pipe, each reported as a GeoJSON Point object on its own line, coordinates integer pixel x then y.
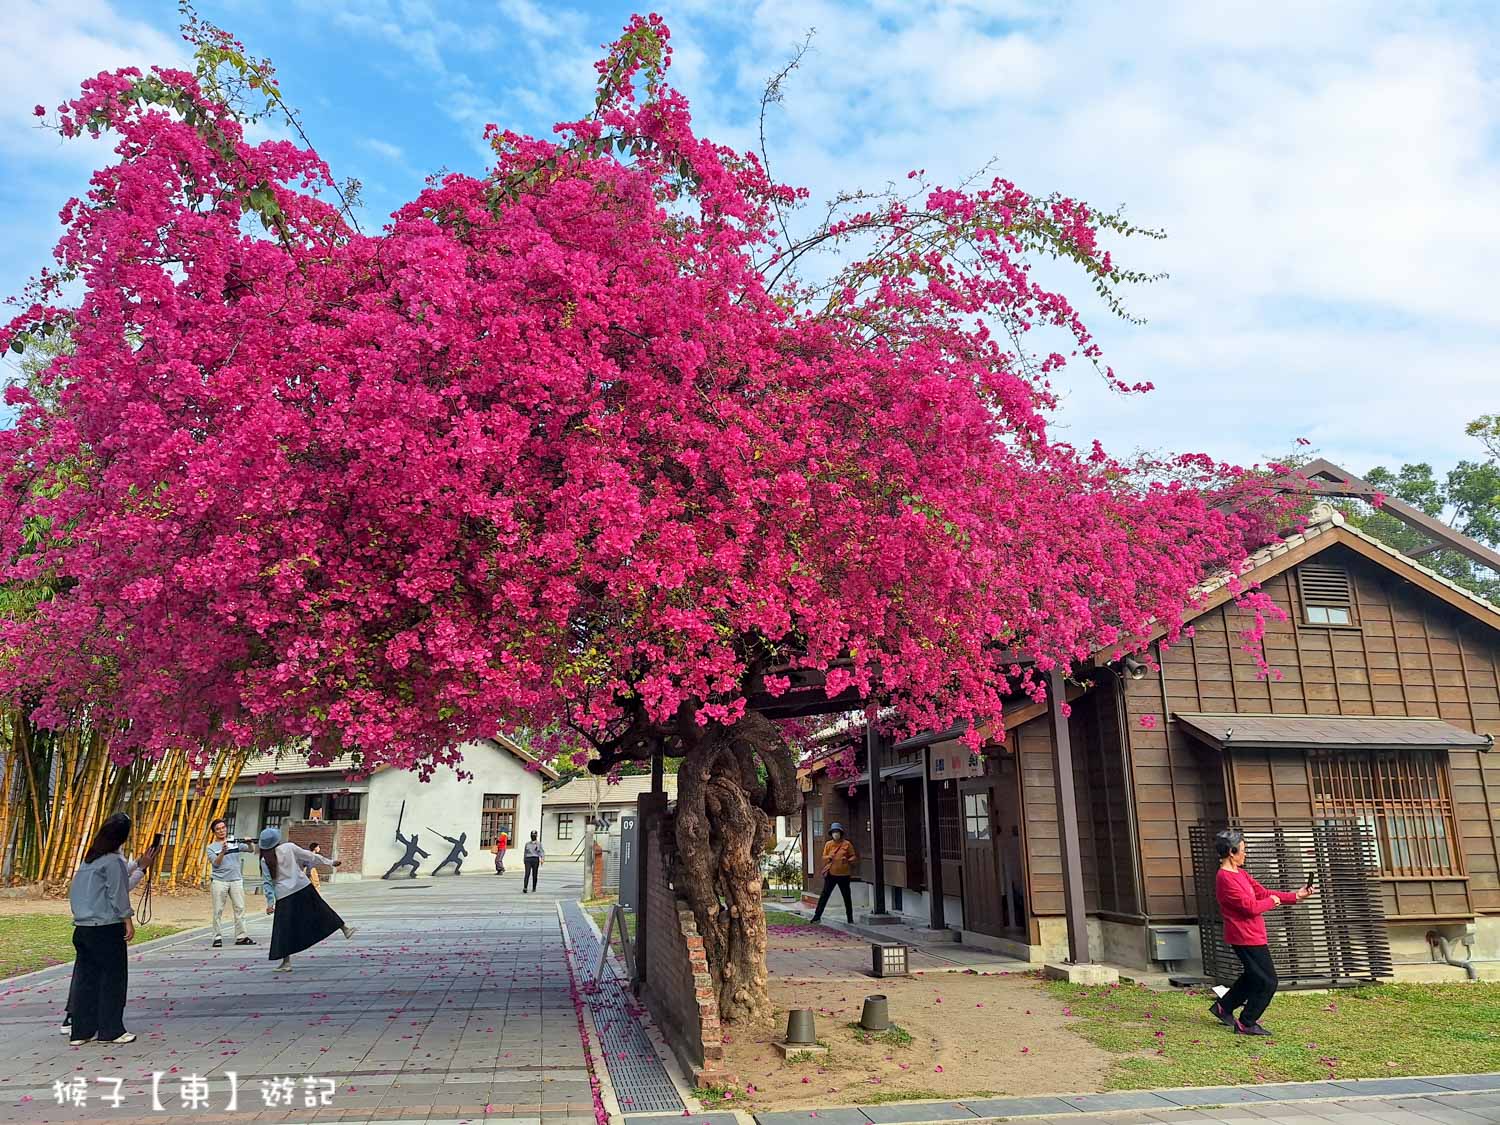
{"type": "Point", "coordinates": [1446, 947]}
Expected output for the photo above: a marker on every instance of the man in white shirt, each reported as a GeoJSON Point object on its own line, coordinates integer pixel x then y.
{"type": "Point", "coordinates": [227, 881]}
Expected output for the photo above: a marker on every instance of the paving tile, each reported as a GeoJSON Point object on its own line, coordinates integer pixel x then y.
{"type": "Point", "coordinates": [1292, 1091]}
{"type": "Point", "coordinates": [1016, 1107]}
{"type": "Point", "coordinates": [822, 1116]}
{"type": "Point", "coordinates": [1389, 1086]}
{"type": "Point", "coordinates": [1211, 1095]}
{"type": "Point", "coordinates": [678, 1119]}
{"type": "Point", "coordinates": [896, 1113]}
{"type": "Point", "coordinates": [1124, 1099]}
{"type": "Point", "coordinates": [1466, 1081]}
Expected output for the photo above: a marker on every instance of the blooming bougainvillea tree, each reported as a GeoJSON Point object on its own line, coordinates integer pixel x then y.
{"type": "Point", "coordinates": [584, 442]}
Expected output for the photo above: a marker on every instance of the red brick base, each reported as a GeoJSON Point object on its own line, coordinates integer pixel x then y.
{"type": "Point", "coordinates": [678, 990]}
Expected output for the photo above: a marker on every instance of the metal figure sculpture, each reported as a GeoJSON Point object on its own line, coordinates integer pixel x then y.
{"type": "Point", "coordinates": [409, 859]}
{"type": "Point", "coordinates": [455, 855]}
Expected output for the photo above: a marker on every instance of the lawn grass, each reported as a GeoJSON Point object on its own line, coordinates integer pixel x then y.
{"type": "Point", "coordinates": [598, 909]}
{"type": "Point", "coordinates": [893, 1036]}
{"type": "Point", "coordinates": [34, 941]}
{"type": "Point", "coordinates": [785, 918]}
{"type": "Point", "coordinates": [1380, 1031]}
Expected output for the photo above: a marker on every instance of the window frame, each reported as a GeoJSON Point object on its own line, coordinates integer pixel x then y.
{"type": "Point", "coordinates": [1404, 796]}
{"type": "Point", "coordinates": [497, 813]}
{"type": "Point", "coordinates": [282, 813]}
{"type": "Point", "coordinates": [564, 826]}
{"type": "Point", "coordinates": [1318, 605]}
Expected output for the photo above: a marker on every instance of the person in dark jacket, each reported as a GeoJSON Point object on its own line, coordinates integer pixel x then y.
{"type": "Point", "coordinates": [103, 925]}
{"type": "Point", "coordinates": [1243, 902]}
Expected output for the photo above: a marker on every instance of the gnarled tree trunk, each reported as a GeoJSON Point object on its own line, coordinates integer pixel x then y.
{"type": "Point", "coordinates": [732, 783]}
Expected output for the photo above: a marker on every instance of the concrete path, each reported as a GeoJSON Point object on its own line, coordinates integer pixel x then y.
{"type": "Point", "coordinates": [1461, 1099]}
{"type": "Point", "coordinates": [451, 1003]}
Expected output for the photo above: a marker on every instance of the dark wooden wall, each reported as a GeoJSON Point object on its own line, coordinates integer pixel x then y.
{"type": "Point", "coordinates": [1409, 654]}
{"type": "Point", "coordinates": [1103, 803]}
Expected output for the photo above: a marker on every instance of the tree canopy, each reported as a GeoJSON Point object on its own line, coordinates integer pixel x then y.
{"type": "Point", "coordinates": [570, 443]}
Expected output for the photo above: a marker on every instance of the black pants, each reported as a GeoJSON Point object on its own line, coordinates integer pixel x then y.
{"type": "Point", "coordinates": [533, 867]}
{"type": "Point", "coordinates": [102, 973]}
{"type": "Point", "coordinates": [1256, 986]}
{"type": "Point", "coordinates": [842, 883]}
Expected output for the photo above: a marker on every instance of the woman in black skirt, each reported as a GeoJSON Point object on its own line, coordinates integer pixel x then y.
{"type": "Point", "coordinates": [302, 917]}
{"type": "Point", "coordinates": [103, 925]}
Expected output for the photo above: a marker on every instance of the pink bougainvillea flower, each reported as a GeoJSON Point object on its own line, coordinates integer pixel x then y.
{"type": "Point", "coordinates": [571, 444]}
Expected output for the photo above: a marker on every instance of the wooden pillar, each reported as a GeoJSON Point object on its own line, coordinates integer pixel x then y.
{"type": "Point", "coordinates": [877, 833]}
{"type": "Point", "coordinates": [935, 916]}
{"type": "Point", "coordinates": [1067, 822]}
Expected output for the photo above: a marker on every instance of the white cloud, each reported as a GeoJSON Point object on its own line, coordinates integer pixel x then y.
{"type": "Point", "coordinates": [384, 148]}
{"type": "Point", "coordinates": [44, 54]}
{"type": "Point", "coordinates": [1326, 173]}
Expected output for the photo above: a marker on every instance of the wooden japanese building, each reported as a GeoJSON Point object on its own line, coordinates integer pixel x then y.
{"type": "Point", "coordinates": [1382, 707]}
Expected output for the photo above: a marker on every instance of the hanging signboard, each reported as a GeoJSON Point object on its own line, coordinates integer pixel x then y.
{"type": "Point", "coordinates": [954, 761]}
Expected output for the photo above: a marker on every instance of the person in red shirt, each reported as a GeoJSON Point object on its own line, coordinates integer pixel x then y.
{"type": "Point", "coordinates": [1243, 902]}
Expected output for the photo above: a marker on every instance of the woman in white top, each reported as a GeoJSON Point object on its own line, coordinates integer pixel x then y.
{"type": "Point", "coordinates": [302, 917]}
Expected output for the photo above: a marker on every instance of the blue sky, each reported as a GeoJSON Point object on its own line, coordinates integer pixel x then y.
{"type": "Point", "coordinates": [1327, 173]}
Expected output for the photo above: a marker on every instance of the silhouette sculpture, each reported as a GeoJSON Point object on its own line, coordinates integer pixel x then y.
{"type": "Point", "coordinates": [412, 850]}
{"type": "Point", "coordinates": [456, 855]}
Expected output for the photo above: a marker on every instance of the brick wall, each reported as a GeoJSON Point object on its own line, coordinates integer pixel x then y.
{"type": "Point", "coordinates": [596, 873]}
{"type": "Point", "coordinates": [341, 839]}
{"type": "Point", "coordinates": [678, 991]}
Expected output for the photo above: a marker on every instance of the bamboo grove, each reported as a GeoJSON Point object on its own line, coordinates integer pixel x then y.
{"type": "Point", "coordinates": [56, 787]}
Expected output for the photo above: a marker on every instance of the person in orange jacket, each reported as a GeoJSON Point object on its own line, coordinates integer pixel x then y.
{"type": "Point", "coordinates": [839, 858]}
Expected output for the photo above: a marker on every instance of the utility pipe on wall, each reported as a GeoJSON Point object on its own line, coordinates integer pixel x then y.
{"type": "Point", "coordinates": [1445, 948]}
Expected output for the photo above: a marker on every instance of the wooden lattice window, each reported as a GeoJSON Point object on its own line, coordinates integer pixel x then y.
{"type": "Point", "coordinates": [1403, 797]}
{"type": "Point", "coordinates": [499, 816]}
{"type": "Point", "coordinates": [950, 828]}
{"type": "Point", "coordinates": [1327, 595]}
{"type": "Point", "coordinates": [893, 817]}
{"type": "Point", "coordinates": [277, 810]}
{"type": "Point", "coordinates": [344, 806]}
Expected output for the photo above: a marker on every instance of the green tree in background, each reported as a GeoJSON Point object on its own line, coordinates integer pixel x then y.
{"type": "Point", "coordinates": [1467, 498]}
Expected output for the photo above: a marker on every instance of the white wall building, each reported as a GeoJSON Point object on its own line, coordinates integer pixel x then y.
{"type": "Point", "coordinates": [569, 810]}
{"type": "Point", "coordinates": [355, 820]}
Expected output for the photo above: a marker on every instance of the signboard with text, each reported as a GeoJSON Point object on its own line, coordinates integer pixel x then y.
{"type": "Point", "coordinates": [952, 761]}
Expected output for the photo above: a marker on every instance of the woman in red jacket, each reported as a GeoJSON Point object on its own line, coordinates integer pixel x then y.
{"type": "Point", "coordinates": [1242, 901]}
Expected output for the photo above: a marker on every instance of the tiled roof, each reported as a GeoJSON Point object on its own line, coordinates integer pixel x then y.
{"type": "Point", "coordinates": [588, 789]}
{"type": "Point", "coordinates": [1323, 519]}
{"type": "Point", "coordinates": [290, 762]}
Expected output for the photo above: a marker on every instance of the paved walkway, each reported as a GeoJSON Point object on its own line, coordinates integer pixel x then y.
{"type": "Point", "coordinates": [1465, 1099]}
{"type": "Point", "coordinates": [451, 1003]}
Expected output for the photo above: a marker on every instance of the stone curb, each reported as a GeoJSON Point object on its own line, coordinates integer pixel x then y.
{"type": "Point", "coordinates": [1176, 1098]}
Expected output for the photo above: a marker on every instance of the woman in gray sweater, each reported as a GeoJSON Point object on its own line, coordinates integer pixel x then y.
{"type": "Point", "coordinates": [103, 924]}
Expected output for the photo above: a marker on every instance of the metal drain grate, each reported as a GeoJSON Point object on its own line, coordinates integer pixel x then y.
{"type": "Point", "coordinates": [640, 1080]}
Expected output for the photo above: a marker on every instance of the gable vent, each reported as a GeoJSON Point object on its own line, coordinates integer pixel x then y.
{"type": "Point", "coordinates": [1327, 598]}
